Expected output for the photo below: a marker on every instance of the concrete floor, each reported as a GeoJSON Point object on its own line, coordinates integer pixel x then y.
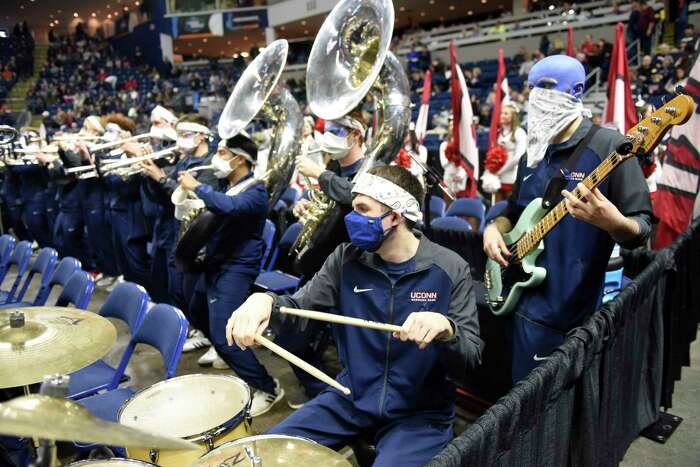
{"type": "Point", "coordinates": [682, 450]}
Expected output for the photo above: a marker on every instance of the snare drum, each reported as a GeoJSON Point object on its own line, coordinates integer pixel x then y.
{"type": "Point", "coordinates": [111, 463]}
{"type": "Point", "coordinates": [209, 410]}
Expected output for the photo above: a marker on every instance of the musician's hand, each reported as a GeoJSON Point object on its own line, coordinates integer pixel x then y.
{"type": "Point", "coordinates": [596, 209]}
{"type": "Point", "coordinates": [494, 246]}
{"type": "Point", "coordinates": [45, 158]}
{"type": "Point", "coordinates": [133, 149]}
{"type": "Point", "coordinates": [424, 327]}
{"type": "Point", "coordinates": [82, 148]}
{"type": "Point", "coordinates": [188, 182]}
{"type": "Point", "coordinates": [150, 169]}
{"type": "Point", "coordinates": [249, 320]}
{"type": "Point", "coordinates": [300, 208]}
{"type": "Point", "coordinates": [308, 168]}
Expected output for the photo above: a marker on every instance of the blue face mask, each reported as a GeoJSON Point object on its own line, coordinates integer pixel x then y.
{"type": "Point", "coordinates": [366, 232]}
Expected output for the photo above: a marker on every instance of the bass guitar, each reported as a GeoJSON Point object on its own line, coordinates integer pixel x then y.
{"type": "Point", "coordinates": [505, 285]}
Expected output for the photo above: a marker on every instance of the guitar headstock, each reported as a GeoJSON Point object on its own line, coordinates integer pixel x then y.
{"type": "Point", "coordinates": [647, 134]}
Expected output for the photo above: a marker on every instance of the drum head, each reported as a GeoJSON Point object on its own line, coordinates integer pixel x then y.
{"type": "Point", "coordinates": [111, 463]}
{"type": "Point", "coordinates": [273, 451]}
{"type": "Point", "coordinates": [187, 406]}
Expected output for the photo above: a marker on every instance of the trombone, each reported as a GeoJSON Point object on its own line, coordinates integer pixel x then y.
{"type": "Point", "coordinates": [124, 168]}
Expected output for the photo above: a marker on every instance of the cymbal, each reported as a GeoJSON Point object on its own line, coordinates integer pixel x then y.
{"type": "Point", "coordinates": [52, 418]}
{"type": "Point", "coordinates": [52, 340]}
{"type": "Point", "coordinates": [273, 451]}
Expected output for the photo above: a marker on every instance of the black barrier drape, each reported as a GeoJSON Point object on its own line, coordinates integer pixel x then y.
{"type": "Point", "coordinates": [588, 402]}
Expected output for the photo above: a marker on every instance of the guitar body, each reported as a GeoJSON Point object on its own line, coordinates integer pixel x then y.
{"type": "Point", "coordinates": [504, 287]}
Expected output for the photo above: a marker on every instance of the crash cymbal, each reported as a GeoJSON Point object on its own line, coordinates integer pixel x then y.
{"type": "Point", "coordinates": [272, 451]}
{"type": "Point", "coordinates": [52, 418]}
{"type": "Point", "coordinates": [40, 341]}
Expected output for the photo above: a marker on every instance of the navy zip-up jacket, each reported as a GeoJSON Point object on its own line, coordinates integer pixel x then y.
{"type": "Point", "coordinates": [388, 378]}
{"type": "Point", "coordinates": [237, 242]}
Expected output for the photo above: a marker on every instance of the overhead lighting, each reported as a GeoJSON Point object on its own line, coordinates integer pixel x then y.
{"type": "Point", "coordinates": [282, 28]}
{"type": "Point", "coordinates": [235, 55]}
{"type": "Point", "coordinates": [199, 51]}
{"type": "Point", "coordinates": [109, 16]}
{"type": "Point", "coordinates": [94, 15]}
{"type": "Point", "coordinates": [245, 54]}
{"type": "Point", "coordinates": [551, 7]}
{"type": "Point", "coordinates": [228, 42]}
{"type": "Point", "coordinates": [432, 2]}
{"type": "Point", "coordinates": [21, 7]}
{"type": "Point", "coordinates": [245, 38]}
{"type": "Point", "coordinates": [75, 15]}
{"type": "Point", "coordinates": [483, 2]}
{"type": "Point", "coordinates": [303, 22]}
{"type": "Point", "coordinates": [55, 21]}
{"type": "Point", "coordinates": [422, 13]}
{"type": "Point", "coordinates": [137, 3]}
{"type": "Point", "coordinates": [402, 8]}
{"type": "Point", "coordinates": [452, 7]}
{"type": "Point", "coordinates": [205, 40]}
{"type": "Point", "coordinates": [470, 12]}
{"type": "Point", "coordinates": [306, 32]}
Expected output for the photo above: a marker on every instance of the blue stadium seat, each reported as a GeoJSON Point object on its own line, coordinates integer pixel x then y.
{"type": "Point", "coordinates": [43, 265]}
{"type": "Point", "coordinates": [468, 207]}
{"type": "Point", "coordinates": [495, 211]}
{"type": "Point", "coordinates": [7, 245]}
{"type": "Point", "coordinates": [451, 223]}
{"type": "Point", "coordinates": [20, 259]}
{"type": "Point", "coordinates": [275, 280]}
{"type": "Point", "coordinates": [268, 239]}
{"type": "Point", "coordinates": [78, 291]}
{"type": "Point", "coordinates": [63, 272]}
{"type": "Point", "coordinates": [165, 328]}
{"type": "Point", "coordinates": [128, 302]}
{"type": "Point", "coordinates": [437, 207]}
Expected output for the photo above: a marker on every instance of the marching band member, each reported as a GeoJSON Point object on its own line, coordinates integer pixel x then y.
{"type": "Point", "coordinates": [577, 251]}
{"type": "Point", "coordinates": [192, 139]}
{"type": "Point", "coordinates": [159, 224]}
{"type": "Point", "coordinates": [129, 234]}
{"type": "Point", "coordinates": [32, 193]}
{"type": "Point", "coordinates": [401, 393]}
{"type": "Point", "coordinates": [233, 258]}
{"type": "Point", "coordinates": [94, 207]}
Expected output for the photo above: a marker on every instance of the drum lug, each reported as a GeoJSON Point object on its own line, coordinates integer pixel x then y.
{"type": "Point", "coordinates": [210, 443]}
{"type": "Point", "coordinates": [153, 455]}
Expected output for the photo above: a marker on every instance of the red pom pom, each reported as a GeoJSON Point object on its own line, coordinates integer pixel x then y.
{"type": "Point", "coordinates": [403, 159]}
{"type": "Point", "coordinates": [320, 125]}
{"type": "Point", "coordinates": [496, 157]}
{"type": "Point", "coordinates": [452, 154]}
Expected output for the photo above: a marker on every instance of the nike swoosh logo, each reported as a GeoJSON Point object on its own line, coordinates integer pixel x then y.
{"type": "Point", "coordinates": [356, 290]}
{"type": "Point", "coordinates": [540, 359]}
{"type": "Point", "coordinates": [528, 176]}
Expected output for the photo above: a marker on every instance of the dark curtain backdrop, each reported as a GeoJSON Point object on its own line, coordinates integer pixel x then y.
{"type": "Point", "coordinates": [589, 401]}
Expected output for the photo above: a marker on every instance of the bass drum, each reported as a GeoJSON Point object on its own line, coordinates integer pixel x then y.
{"type": "Point", "coordinates": [209, 410]}
{"type": "Point", "coordinates": [111, 463]}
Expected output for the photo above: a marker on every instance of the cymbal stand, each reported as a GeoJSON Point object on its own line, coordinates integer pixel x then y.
{"type": "Point", "coordinates": [54, 386]}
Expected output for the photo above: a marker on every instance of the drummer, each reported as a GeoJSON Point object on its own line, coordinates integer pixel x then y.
{"type": "Point", "coordinates": [401, 394]}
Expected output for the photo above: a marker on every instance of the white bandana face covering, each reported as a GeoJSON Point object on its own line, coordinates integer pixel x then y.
{"type": "Point", "coordinates": [382, 190]}
{"type": "Point", "coordinates": [550, 112]}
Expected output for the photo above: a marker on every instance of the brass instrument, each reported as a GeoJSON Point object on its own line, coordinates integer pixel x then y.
{"type": "Point", "coordinates": [119, 142]}
{"type": "Point", "coordinates": [258, 91]}
{"type": "Point", "coordinates": [349, 59]}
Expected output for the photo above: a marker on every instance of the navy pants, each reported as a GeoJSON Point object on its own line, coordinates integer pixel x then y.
{"type": "Point", "coordinates": [308, 345]}
{"type": "Point", "coordinates": [69, 236]}
{"type": "Point", "coordinates": [130, 250]}
{"type": "Point", "coordinates": [15, 222]}
{"type": "Point", "coordinates": [220, 295]}
{"type": "Point", "coordinates": [159, 277]}
{"type": "Point", "coordinates": [36, 221]}
{"type": "Point", "coordinates": [531, 343]}
{"type": "Point", "coordinates": [98, 227]}
{"type": "Point", "coordinates": [332, 420]}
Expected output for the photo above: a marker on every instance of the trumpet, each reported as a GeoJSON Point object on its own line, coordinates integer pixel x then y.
{"type": "Point", "coordinates": [116, 144]}
{"type": "Point", "coordinates": [123, 168]}
{"type": "Point", "coordinates": [73, 137]}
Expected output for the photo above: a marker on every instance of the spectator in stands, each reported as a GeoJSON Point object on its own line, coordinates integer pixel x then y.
{"type": "Point", "coordinates": [475, 80]}
{"type": "Point", "coordinates": [588, 47]}
{"type": "Point", "coordinates": [131, 84]}
{"type": "Point", "coordinates": [413, 59]}
{"type": "Point", "coordinates": [498, 28]}
{"type": "Point", "coordinates": [675, 80]}
{"type": "Point", "coordinates": [513, 140]}
{"type": "Point", "coordinates": [688, 42]}
{"type": "Point", "coordinates": [519, 58]}
{"type": "Point", "coordinates": [527, 64]}
{"type": "Point", "coordinates": [646, 21]}
{"type": "Point", "coordinates": [5, 116]}
{"type": "Point", "coordinates": [544, 45]}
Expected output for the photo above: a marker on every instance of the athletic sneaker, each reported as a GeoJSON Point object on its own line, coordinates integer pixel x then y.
{"type": "Point", "coordinates": [208, 358]}
{"type": "Point", "coordinates": [96, 276]}
{"type": "Point", "coordinates": [195, 340]}
{"type": "Point", "coordinates": [220, 364]}
{"type": "Point", "coordinates": [105, 281]}
{"type": "Point", "coordinates": [298, 401]}
{"type": "Point", "coordinates": [263, 401]}
{"type": "Point", "coordinates": [116, 282]}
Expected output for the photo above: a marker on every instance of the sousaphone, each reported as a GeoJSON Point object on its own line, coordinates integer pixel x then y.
{"type": "Point", "coordinates": [349, 59]}
{"type": "Point", "coordinates": [257, 93]}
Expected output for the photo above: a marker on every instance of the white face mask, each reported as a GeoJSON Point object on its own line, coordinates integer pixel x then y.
{"type": "Point", "coordinates": [223, 167]}
{"type": "Point", "coordinates": [549, 113]}
{"type": "Point", "coordinates": [111, 136]}
{"type": "Point", "coordinates": [187, 144]}
{"type": "Point", "coordinates": [163, 133]}
{"type": "Point", "coordinates": [336, 146]}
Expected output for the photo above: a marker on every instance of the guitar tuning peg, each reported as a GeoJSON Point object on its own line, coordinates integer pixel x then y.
{"type": "Point", "coordinates": [681, 91]}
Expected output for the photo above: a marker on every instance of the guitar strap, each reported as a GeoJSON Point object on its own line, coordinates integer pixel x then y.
{"type": "Point", "coordinates": [552, 194]}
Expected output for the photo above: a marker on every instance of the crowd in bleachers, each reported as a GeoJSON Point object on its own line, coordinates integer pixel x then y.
{"type": "Point", "coordinates": [16, 57]}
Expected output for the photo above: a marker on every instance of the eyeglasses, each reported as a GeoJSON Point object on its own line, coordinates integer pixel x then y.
{"type": "Point", "coordinates": [337, 130]}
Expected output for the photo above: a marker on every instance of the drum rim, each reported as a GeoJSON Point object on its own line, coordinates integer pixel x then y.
{"type": "Point", "coordinates": [258, 438]}
{"type": "Point", "coordinates": [214, 431]}
{"type": "Point", "coordinates": [119, 459]}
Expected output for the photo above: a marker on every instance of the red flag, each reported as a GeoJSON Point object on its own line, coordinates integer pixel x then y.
{"type": "Point", "coordinates": [502, 92]}
{"type": "Point", "coordinates": [462, 127]}
{"type": "Point", "coordinates": [570, 51]}
{"type": "Point", "coordinates": [619, 109]}
{"type": "Point", "coordinates": [678, 187]}
{"type": "Point", "coordinates": [422, 120]}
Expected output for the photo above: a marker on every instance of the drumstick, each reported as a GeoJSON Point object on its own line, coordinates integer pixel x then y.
{"type": "Point", "coordinates": [293, 359]}
{"type": "Point", "coordinates": [339, 319]}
